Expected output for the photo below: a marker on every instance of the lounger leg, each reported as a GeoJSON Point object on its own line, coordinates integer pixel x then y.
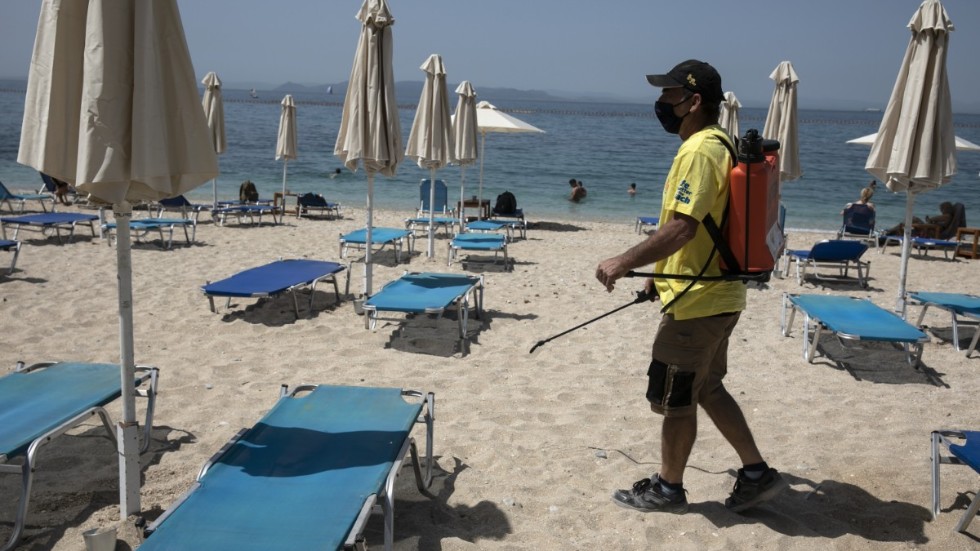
{"type": "Point", "coordinates": [935, 474]}
{"type": "Point", "coordinates": [956, 330]}
{"type": "Point", "coordinates": [971, 512]}
{"type": "Point", "coordinates": [973, 344]}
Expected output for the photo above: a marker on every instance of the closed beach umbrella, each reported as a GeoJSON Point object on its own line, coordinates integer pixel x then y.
{"type": "Point", "coordinates": [781, 121]}
{"type": "Point", "coordinates": [728, 118]}
{"type": "Point", "coordinates": [491, 119]}
{"type": "Point", "coordinates": [286, 142]}
{"type": "Point", "coordinates": [112, 107]}
{"type": "Point", "coordinates": [430, 141]}
{"type": "Point", "coordinates": [370, 133]}
{"type": "Point", "coordinates": [464, 133]}
{"type": "Point", "coordinates": [214, 112]}
{"type": "Point", "coordinates": [914, 150]}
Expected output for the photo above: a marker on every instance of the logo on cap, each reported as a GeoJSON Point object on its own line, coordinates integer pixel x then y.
{"type": "Point", "coordinates": [691, 80]}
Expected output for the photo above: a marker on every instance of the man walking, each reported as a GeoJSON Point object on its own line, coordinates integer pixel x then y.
{"type": "Point", "coordinates": [690, 351]}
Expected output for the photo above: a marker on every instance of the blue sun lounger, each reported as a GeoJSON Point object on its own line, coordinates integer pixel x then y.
{"type": "Point", "coordinates": [964, 451]}
{"type": "Point", "coordinates": [309, 202]}
{"type": "Point", "coordinates": [922, 245]}
{"type": "Point", "coordinates": [643, 221]}
{"type": "Point", "coordinates": [40, 402]}
{"type": "Point", "coordinates": [492, 226]}
{"type": "Point", "coordinates": [243, 212]}
{"type": "Point", "coordinates": [427, 293]}
{"type": "Point", "coordinates": [140, 227]}
{"type": "Point", "coordinates": [850, 319]}
{"type": "Point", "coordinates": [480, 242]}
{"type": "Point", "coordinates": [957, 304]}
{"type": "Point", "coordinates": [9, 245]}
{"type": "Point", "coordinates": [421, 223]}
{"type": "Point", "coordinates": [8, 198]}
{"type": "Point", "coordinates": [380, 238]}
{"type": "Point", "coordinates": [306, 476]}
{"type": "Point", "coordinates": [841, 254]}
{"type": "Point", "coordinates": [275, 278]}
{"type": "Point", "coordinates": [48, 221]}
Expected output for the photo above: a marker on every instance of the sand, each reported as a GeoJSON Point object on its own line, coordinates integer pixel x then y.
{"type": "Point", "coordinates": [529, 447]}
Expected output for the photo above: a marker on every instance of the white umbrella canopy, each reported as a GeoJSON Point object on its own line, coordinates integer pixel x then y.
{"type": "Point", "coordinates": [728, 118]}
{"type": "Point", "coordinates": [781, 122]}
{"type": "Point", "coordinates": [464, 132]}
{"type": "Point", "coordinates": [961, 144]}
{"type": "Point", "coordinates": [214, 112]}
{"type": "Point", "coordinates": [914, 149]}
{"type": "Point", "coordinates": [430, 141]}
{"type": "Point", "coordinates": [370, 133]}
{"type": "Point", "coordinates": [112, 107]}
{"type": "Point", "coordinates": [491, 119]}
{"type": "Point", "coordinates": [286, 142]}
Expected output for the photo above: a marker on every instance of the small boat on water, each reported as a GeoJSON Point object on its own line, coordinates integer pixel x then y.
{"type": "Point", "coordinates": [253, 93]}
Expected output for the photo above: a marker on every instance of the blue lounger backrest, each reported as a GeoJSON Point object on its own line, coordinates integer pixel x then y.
{"type": "Point", "coordinates": [836, 250]}
{"type": "Point", "coordinates": [442, 196]}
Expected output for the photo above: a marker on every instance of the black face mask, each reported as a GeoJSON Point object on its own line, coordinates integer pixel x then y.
{"type": "Point", "coordinates": [666, 116]}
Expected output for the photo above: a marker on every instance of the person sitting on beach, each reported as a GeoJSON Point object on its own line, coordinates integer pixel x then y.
{"type": "Point", "coordinates": [578, 191]}
{"type": "Point", "coordinates": [866, 195]}
{"type": "Point", "coordinates": [61, 190]}
{"type": "Point", "coordinates": [942, 220]}
{"type": "Point", "coordinates": [632, 190]}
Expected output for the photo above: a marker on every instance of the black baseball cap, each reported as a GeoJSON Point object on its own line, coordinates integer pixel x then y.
{"type": "Point", "coordinates": [695, 76]}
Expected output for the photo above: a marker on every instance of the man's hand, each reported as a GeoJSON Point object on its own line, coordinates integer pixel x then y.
{"type": "Point", "coordinates": [610, 270]}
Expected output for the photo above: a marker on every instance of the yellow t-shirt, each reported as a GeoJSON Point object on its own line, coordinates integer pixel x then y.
{"type": "Point", "coordinates": [697, 185]}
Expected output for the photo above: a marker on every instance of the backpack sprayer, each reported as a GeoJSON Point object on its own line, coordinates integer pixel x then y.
{"type": "Point", "coordinates": [749, 240]}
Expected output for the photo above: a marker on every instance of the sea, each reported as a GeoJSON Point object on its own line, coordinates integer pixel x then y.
{"type": "Point", "coordinates": [607, 146]}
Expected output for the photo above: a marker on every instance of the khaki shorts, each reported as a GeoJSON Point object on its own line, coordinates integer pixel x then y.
{"type": "Point", "coordinates": [690, 359]}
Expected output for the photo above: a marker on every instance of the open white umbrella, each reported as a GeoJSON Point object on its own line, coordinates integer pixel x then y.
{"type": "Point", "coordinates": [430, 141]}
{"type": "Point", "coordinates": [914, 150]}
{"type": "Point", "coordinates": [286, 142]}
{"type": "Point", "coordinates": [370, 132]}
{"type": "Point", "coordinates": [728, 118]}
{"type": "Point", "coordinates": [491, 119]}
{"type": "Point", "coordinates": [112, 107]}
{"type": "Point", "coordinates": [464, 131]}
{"type": "Point", "coordinates": [961, 144]}
{"type": "Point", "coordinates": [781, 122]}
{"type": "Point", "coordinates": [214, 111]}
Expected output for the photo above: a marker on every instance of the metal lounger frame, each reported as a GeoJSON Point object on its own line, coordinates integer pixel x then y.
{"type": "Point", "coordinates": [27, 468]}
{"type": "Point", "coordinates": [956, 325]}
{"type": "Point", "coordinates": [941, 438]}
{"type": "Point", "coordinates": [462, 305]}
{"type": "Point", "coordinates": [355, 539]}
{"type": "Point", "coordinates": [813, 328]}
{"type": "Point", "coordinates": [330, 278]}
{"type": "Point", "coordinates": [396, 244]}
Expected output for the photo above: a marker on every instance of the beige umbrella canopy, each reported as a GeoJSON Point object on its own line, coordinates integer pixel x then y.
{"type": "Point", "coordinates": [214, 111]}
{"type": "Point", "coordinates": [781, 121]}
{"type": "Point", "coordinates": [370, 133]}
{"type": "Point", "coordinates": [728, 118]}
{"type": "Point", "coordinates": [464, 132]}
{"type": "Point", "coordinates": [112, 107]}
{"type": "Point", "coordinates": [286, 142]}
{"type": "Point", "coordinates": [914, 149]}
{"type": "Point", "coordinates": [430, 141]}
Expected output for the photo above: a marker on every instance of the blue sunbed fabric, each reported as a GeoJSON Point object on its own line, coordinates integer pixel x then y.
{"type": "Point", "coordinates": [272, 278]}
{"type": "Point", "coordinates": [969, 451]}
{"type": "Point", "coordinates": [6, 196]}
{"type": "Point", "coordinates": [958, 304]}
{"type": "Point", "coordinates": [421, 292]}
{"type": "Point", "coordinates": [68, 389]}
{"type": "Point", "coordinates": [479, 242]}
{"type": "Point", "coordinates": [298, 478]}
{"type": "Point", "coordinates": [857, 318]}
{"type": "Point", "coordinates": [55, 220]}
{"type": "Point", "coordinates": [964, 448]}
{"type": "Point", "coordinates": [378, 235]}
{"type": "Point", "coordinates": [146, 225]}
{"type": "Point", "coordinates": [835, 253]}
{"type": "Point", "coordinates": [642, 221]}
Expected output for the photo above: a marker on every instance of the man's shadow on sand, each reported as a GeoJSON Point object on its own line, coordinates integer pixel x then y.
{"type": "Point", "coordinates": [828, 509]}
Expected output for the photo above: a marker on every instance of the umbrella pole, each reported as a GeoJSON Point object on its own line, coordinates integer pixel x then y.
{"type": "Point", "coordinates": [127, 431]}
{"type": "Point", "coordinates": [462, 198]}
{"type": "Point", "coordinates": [214, 190]}
{"type": "Point", "coordinates": [479, 197]}
{"type": "Point", "coordinates": [367, 236]}
{"type": "Point", "coordinates": [432, 206]}
{"type": "Point", "coordinates": [900, 305]}
{"type": "Point", "coordinates": [285, 164]}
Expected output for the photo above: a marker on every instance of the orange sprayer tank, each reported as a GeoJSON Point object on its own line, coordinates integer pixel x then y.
{"type": "Point", "coordinates": [753, 231]}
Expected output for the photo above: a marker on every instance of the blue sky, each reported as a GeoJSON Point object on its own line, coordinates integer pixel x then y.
{"type": "Point", "coordinates": [843, 50]}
